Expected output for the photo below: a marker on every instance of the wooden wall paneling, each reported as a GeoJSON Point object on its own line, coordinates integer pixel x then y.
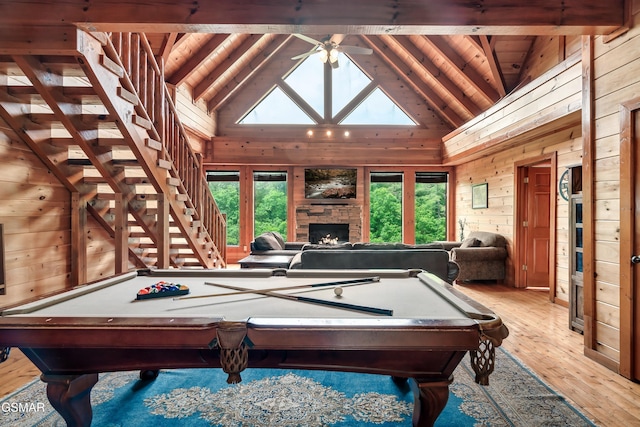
{"type": "Point", "coordinates": [512, 52]}
{"type": "Point", "coordinates": [35, 211]}
{"type": "Point", "coordinates": [498, 171]}
{"type": "Point", "coordinates": [549, 98]}
{"type": "Point", "coordinates": [294, 153]}
{"type": "Point", "coordinates": [544, 55]}
{"type": "Point", "coordinates": [194, 114]}
{"type": "Point", "coordinates": [614, 61]}
{"type": "Point", "coordinates": [101, 251]}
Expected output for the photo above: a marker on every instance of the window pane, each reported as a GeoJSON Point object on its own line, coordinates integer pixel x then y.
{"type": "Point", "coordinates": [277, 108]}
{"type": "Point", "coordinates": [431, 207]}
{"type": "Point", "coordinates": [347, 82]}
{"type": "Point", "coordinates": [225, 188]}
{"type": "Point", "coordinates": [385, 224]}
{"type": "Point", "coordinates": [308, 82]}
{"type": "Point", "coordinates": [378, 109]}
{"type": "Point", "coordinates": [270, 202]}
{"type": "Point", "coordinates": [579, 266]}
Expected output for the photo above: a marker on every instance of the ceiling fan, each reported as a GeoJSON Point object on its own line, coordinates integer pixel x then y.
{"type": "Point", "coordinates": [329, 47]}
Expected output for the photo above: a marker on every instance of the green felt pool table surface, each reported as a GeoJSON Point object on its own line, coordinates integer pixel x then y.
{"type": "Point", "coordinates": [101, 327]}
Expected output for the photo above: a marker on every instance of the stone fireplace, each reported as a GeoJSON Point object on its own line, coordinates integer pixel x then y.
{"type": "Point", "coordinates": [345, 219]}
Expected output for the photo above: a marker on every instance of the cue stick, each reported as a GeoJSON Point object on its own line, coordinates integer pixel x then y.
{"type": "Point", "coordinates": [353, 282]}
{"type": "Point", "coordinates": [336, 304]}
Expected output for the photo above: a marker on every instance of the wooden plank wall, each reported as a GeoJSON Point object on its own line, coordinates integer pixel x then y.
{"type": "Point", "coordinates": [35, 212]}
{"type": "Point", "coordinates": [498, 171]}
{"type": "Point", "coordinates": [616, 72]}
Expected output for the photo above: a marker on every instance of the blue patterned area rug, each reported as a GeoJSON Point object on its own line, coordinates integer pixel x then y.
{"type": "Point", "coordinates": [201, 397]}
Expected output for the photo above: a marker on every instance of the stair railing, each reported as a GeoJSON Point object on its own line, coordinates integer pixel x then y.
{"type": "Point", "coordinates": [146, 79]}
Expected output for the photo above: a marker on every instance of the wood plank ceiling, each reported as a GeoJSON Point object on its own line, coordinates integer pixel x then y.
{"type": "Point", "coordinates": [457, 76]}
{"type": "Point", "coordinates": [458, 57]}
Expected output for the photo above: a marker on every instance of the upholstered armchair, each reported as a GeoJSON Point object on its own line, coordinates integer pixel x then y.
{"type": "Point", "coordinates": [481, 256]}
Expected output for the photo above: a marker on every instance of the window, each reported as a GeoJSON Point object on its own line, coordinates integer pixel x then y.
{"type": "Point", "coordinates": [431, 206]}
{"type": "Point", "coordinates": [225, 188]}
{"type": "Point", "coordinates": [270, 202]}
{"type": "Point", "coordinates": [314, 86]}
{"type": "Point", "coordinates": [385, 207]}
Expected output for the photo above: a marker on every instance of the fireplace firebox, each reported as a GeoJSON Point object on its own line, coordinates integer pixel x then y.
{"type": "Point", "coordinates": [328, 233]}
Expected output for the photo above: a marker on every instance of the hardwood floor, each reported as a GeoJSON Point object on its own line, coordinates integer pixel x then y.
{"type": "Point", "coordinates": [539, 337]}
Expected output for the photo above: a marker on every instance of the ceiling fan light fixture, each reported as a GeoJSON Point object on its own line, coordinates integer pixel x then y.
{"type": "Point", "coordinates": [323, 55]}
{"type": "Point", "coordinates": [333, 55]}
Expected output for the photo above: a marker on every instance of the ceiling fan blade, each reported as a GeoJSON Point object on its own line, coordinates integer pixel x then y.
{"type": "Point", "coordinates": [355, 50]}
{"type": "Point", "coordinates": [337, 38]}
{"type": "Point", "coordinates": [304, 55]}
{"type": "Point", "coordinates": [308, 39]}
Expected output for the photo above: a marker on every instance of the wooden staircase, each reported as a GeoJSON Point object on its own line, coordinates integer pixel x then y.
{"type": "Point", "coordinates": [101, 118]}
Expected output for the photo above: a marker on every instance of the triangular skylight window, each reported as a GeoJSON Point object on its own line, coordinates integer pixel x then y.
{"type": "Point", "coordinates": [348, 81]}
{"type": "Point", "coordinates": [307, 80]}
{"type": "Point", "coordinates": [276, 109]}
{"type": "Point", "coordinates": [378, 109]}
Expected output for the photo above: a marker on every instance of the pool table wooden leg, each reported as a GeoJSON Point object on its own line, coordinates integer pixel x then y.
{"type": "Point", "coordinates": [70, 396]}
{"type": "Point", "coordinates": [483, 361]}
{"type": "Point", "coordinates": [430, 398]}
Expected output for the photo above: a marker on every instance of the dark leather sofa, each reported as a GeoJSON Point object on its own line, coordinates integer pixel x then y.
{"type": "Point", "coordinates": [430, 258]}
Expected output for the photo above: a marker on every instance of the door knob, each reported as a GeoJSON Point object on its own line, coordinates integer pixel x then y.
{"type": "Point", "coordinates": [635, 259]}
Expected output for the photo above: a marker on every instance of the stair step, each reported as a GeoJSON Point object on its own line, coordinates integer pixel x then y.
{"type": "Point", "coordinates": [164, 164]}
{"type": "Point", "coordinates": [174, 182]}
{"type": "Point", "coordinates": [112, 66]}
{"type": "Point", "coordinates": [153, 144]}
{"type": "Point", "coordinates": [142, 122]}
{"type": "Point", "coordinates": [130, 97]}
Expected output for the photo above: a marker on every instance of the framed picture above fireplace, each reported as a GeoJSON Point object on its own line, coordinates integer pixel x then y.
{"type": "Point", "coordinates": [330, 183]}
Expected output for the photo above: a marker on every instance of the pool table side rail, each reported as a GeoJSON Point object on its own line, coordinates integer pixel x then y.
{"type": "Point", "coordinates": [48, 300]}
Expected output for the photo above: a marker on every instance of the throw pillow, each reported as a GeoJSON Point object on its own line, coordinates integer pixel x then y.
{"type": "Point", "coordinates": [267, 241]}
{"type": "Point", "coordinates": [471, 242]}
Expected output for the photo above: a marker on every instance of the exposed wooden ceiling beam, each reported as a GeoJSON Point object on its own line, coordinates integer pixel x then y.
{"type": "Point", "coordinates": [201, 89]}
{"type": "Point", "coordinates": [167, 45]}
{"type": "Point", "coordinates": [328, 16]}
{"type": "Point", "coordinates": [255, 65]}
{"type": "Point", "coordinates": [396, 63]}
{"type": "Point", "coordinates": [498, 77]}
{"type": "Point", "coordinates": [197, 59]}
{"type": "Point", "coordinates": [458, 64]}
{"type": "Point", "coordinates": [436, 76]}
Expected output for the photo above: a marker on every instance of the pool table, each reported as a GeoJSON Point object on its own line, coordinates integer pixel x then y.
{"type": "Point", "coordinates": [422, 330]}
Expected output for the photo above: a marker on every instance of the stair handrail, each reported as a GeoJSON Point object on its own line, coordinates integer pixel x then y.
{"type": "Point", "coordinates": [132, 52]}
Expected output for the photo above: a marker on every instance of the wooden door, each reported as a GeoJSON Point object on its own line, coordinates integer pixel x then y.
{"type": "Point", "coordinates": [538, 226]}
{"type": "Point", "coordinates": [630, 240]}
{"type": "Point", "coordinates": [634, 261]}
